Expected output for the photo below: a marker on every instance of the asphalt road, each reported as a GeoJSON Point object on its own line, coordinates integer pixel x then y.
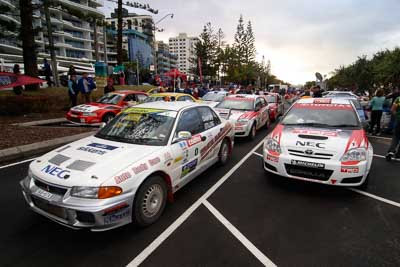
{"type": "Point", "coordinates": [251, 219]}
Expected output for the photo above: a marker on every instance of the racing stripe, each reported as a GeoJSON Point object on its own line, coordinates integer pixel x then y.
{"type": "Point", "coordinates": [223, 134]}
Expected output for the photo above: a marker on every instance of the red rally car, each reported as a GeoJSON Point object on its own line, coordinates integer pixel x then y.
{"type": "Point", "coordinates": [275, 105]}
{"type": "Point", "coordinates": [106, 108]}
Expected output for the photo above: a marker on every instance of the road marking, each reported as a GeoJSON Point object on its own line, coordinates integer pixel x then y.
{"type": "Point", "coordinates": [384, 157]}
{"type": "Point", "coordinates": [239, 236]}
{"type": "Point", "coordinates": [16, 163]}
{"type": "Point", "coordinates": [258, 154]}
{"type": "Point", "coordinates": [375, 197]}
{"type": "Point", "coordinates": [178, 222]}
{"type": "Point", "coordinates": [380, 137]}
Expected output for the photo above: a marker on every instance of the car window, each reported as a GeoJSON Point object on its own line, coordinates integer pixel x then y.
{"type": "Point", "coordinates": [258, 104]}
{"type": "Point", "coordinates": [263, 102]}
{"type": "Point", "coordinates": [185, 98]}
{"type": "Point", "coordinates": [208, 117]}
{"type": "Point", "coordinates": [130, 97]}
{"type": "Point", "coordinates": [190, 121]}
{"type": "Point", "coordinates": [141, 98]}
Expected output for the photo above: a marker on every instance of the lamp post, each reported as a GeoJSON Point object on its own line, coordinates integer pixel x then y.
{"type": "Point", "coordinates": [171, 15]}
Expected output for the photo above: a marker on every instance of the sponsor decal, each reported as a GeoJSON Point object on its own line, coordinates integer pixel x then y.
{"type": "Point", "coordinates": [272, 158]}
{"type": "Point", "coordinates": [186, 156]}
{"type": "Point", "coordinates": [333, 181]}
{"type": "Point", "coordinates": [215, 141]}
{"type": "Point", "coordinates": [177, 159]}
{"type": "Point", "coordinates": [357, 139]}
{"type": "Point", "coordinates": [102, 146]}
{"type": "Point", "coordinates": [347, 169]}
{"type": "Point", "coordinates": [118, 214]}
{"type": "Point", "coordinates": [194, 140]}
{"type": "Point", "coordinates": [141, 168]}
{"type": "Point", "coordinates": [56, 171]}
{"type": "Point", "coordinates": [183, 145]}
{"type": "Point", "coordinates": [323, 106]}
{"type": "Point", "coordinates": [322, 101]}
{"type": "Point", "coordinates": [154, 161]}
{"type": "Point", "coordinates": [315, 132]}
{"type": "Point", "coordinates": [122, 177]}
{"type": "Point", "coordinates": [310, 144]}
{"type": "Point", "coordinates": [276, 134]}
{"type": "Point", "coordinates": [308, 164]}
{"type": "Point", "coordinates": [92, 150]}
{"type": "Point", "coordinates": [167, 158]}
{"type": "Point", "coordinates": [189, 167]}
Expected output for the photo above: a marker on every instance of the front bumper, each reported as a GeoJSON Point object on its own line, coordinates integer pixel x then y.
{"type": "Point", "coordinates": [332, 172]}
{"type": "Point", "coordinates": [83, 120]}
{"type": "Point", "coordinates": [73, 212]}
{"type": "Point", "coordinates": [242, 129]}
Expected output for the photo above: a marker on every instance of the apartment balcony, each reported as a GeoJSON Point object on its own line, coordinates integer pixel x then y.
{"type": "Point", "coordinates": [83, 8]}
{"type": "Point", "coordinates": [9, 18]}
{"type": "Point", "coordinates": [10, 47]}
{"type": "Point", "coordinates": [98, 3]}
{"type": "Point", "coordinates": [7, 3]}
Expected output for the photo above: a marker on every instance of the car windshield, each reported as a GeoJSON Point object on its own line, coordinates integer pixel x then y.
{"type": "Point", "coordinates": [356, 104]}
{"type": "Point", "coordinates": [159, 98]}
{"type": "Point", "coordinates": [213, 97]}
{"type": "Point", "coordinates": [144, 126]}
{"type": "Point", "coordinates": [271, 99]}
{"type": "Point", "coordinates": [110, 98]}
{"type": "Point", "coordinates": [239, 104]}
{"type": "Point", "coordinates": [322, 115]}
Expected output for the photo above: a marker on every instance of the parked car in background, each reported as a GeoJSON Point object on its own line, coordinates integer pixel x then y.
{"type": "Point", "coordinates": [275, 105]}
{"type": "Point", "coordinates": [213, 98]}
{"type": "Point", "coordinates": [106, 108]}
{"type": "Point", "coordinates": [171, 97]}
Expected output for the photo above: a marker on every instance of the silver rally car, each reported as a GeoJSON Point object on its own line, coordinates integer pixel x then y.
{"type": "Point", "coordinates": [127, 171]}
{"type": "Point", "coordinates": [320, 140]}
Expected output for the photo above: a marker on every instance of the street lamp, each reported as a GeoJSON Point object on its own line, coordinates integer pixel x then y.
{"type": "Point", "coordinates": [171, 15]}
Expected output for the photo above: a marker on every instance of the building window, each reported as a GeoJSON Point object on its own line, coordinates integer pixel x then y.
{"type": "Point", "coordinates": [129, 24]}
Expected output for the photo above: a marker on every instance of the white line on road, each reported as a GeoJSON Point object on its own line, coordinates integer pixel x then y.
{"type": "Point", "coordinates": [375, 197]}
{"type": "Point", "coordinates": [236, 233]}
{"type": "Point", "coordinates": [384, 157]}
{"type": "Point", "coordinates": [379, 137]}
{"type": "Point", "coordinates": [16, 163]}
{"type": "Point", "coordinates": [258, 154]}
{"type": "Point", "coordinates": [167, 232]}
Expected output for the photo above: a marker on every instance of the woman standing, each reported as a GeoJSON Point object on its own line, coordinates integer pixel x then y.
{"type": "Point", "coordinates": [376, 104]}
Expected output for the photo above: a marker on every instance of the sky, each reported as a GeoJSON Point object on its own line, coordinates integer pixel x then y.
{"type": "Point", "coordinates": [299, 37]}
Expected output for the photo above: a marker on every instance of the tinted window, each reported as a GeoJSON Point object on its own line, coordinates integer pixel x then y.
{"type": "Point", "coordinates": [185, 98]}
{"type": "Point", "coordinates": [130, 98]}
{"type": "Point", "coordinates": [190, 121]}
{"type": "Point", "coordinates": [141, 98]}
{"type": "Point", "coordinates": [208, 117]}
{"type": "Point", "coordinates": [263, 102]}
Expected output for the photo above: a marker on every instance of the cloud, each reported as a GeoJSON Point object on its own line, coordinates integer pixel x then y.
{"type": "Point", "coordinates": [300, 37]}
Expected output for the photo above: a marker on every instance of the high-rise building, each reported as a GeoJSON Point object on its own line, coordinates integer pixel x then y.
{"type": "Point", "coordinates": [73, 37]}
{"type": "Point", "coordinates": [165, 60]}
{"type": "Point", "coordinates": [138, 27]}
{"type": "Point", "coordinates": [183, 46]}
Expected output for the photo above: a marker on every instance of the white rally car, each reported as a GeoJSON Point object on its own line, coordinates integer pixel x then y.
{"type": "Point", "coordinates": [248, 112]}
{"type": "Point", "coordinates": [320, 140]}
{"type": "Point", "coordinates": [127, 170]}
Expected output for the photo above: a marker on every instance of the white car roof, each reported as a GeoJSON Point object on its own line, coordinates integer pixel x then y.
{"type": "Point", "coordinates": [324, 100]}
{"type": "Point", "coordinates": [217, 92]}
{"type": "Point", "coordinates": [175, 105]}
{"type": "Point", "coordinates": [243, 96]}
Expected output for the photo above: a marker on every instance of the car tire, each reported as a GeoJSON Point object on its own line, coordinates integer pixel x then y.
{"type": "Point", "coordinates": [253, 132]}
{"type": "Point", "coordinates": [150, 201]}
{"type": "Point", "coordinates": [224, 153]}
{"type": "Point", "coordinates": [108, 117]}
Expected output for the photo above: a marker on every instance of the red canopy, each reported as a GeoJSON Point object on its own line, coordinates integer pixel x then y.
{"type": "Point", "coordinates": [174, 73]}
{"type": "Point", "coordinates": [9, 79]}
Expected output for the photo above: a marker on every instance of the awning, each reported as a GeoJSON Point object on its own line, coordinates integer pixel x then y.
{"type": "Point", "coordinates": [9, 79]}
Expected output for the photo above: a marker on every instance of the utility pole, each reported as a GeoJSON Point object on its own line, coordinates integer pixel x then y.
{"type": "Point", "coordinates": [51, 43]}
{"type": "Point", "coordinates": [119, 33]}
{"type": "Point", "coordinates": [95, 42]}
{"type": "Point", "coordinates": [105, 45]}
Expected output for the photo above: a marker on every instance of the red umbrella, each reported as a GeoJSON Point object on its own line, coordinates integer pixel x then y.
{"type": "Point", "coordinates": [174, 73]}
{"type": "Point", "coordinates": [9, 79]}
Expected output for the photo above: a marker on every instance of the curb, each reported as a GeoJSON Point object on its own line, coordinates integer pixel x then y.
{"type": "Point", "coordinates": [33, 123]}
{"type": "Point", "coordinates": [29, 150]}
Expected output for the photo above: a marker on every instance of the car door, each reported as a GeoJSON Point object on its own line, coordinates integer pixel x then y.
{"type": "Point", "coordinates": [280, 105]}
{"type": "Point", "coordinates": [186, 153]}
{"type": "Point", "coordinates": [213, 131]}
{"type": "Point", "coordinates": [264, 115]}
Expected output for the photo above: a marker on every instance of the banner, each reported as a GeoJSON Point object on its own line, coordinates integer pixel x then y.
{"type": "Point", "coordinates": [9, 80]}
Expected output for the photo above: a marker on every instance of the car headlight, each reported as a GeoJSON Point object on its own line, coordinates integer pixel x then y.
{"type": "Point", "coordinates": [272, 145]}
{"type": "Point", "coordinates": [243, 120]}
{"type": "Point", "coordinates": [101, 192]}
{"type": "Point", "coordinates": [28, 178]}
{"type": "Point", "coordinates": [89, 114]}
{"type": "Point", "coordinates": [355, 154]}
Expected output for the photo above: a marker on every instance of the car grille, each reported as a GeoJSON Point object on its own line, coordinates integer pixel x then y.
{"type": "Point", "coordinates": [75, 119]}
{"type": "Point", "coordinates": [49, 208]}
{"type": "Point", "coordinates": [352, 180]}
{"type": "Point", "coordinates": [307, 172]}
{"type": "Point", "coordinates": [76, 112]}
{"type": "Point", "coordinates": [50, 188]}
{"type": "Point", "coordinates": [316, 155]}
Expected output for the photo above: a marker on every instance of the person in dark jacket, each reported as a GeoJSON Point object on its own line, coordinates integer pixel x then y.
{"type": "Point", "coordinates": [109, 87]}
{"type": "Point", "coordinates": [317, 91]}
{"type": "Point", "coordinates": [47, 72]}
{"type": "Point", "coordinates": [86, 87]}
{"type": "Point", "coordinates": [17, 89]}
{"type": "Point", "coordinates": [394, 95]}
{"type": "Point", "coordinates": [73, 90]}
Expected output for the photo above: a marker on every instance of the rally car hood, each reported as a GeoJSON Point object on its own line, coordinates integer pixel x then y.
{"type": "Point", "coordinates": [92, 107]}
{"type": "Point", "coordinates": [234, 115]}
{"type": "Point", "coordinates": [318, 143]}
{"type": "Point", "coordinates": [89, 162]}
{"type": "Point", "coordinates": [212, 104]}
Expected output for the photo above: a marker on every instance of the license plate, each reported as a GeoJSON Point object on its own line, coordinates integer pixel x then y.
{"type": "Point", "coordinates": [74, 116]}
{"type": "Point", "coordinates": [308, 164]}
{"type": "Point", "coordinates": [43, 194]}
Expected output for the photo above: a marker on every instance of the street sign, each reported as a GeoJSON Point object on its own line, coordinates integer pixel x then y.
{"type": "Point", "coordinates": [152, 68]}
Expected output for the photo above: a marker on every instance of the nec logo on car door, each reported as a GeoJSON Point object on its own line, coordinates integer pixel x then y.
{"type": "Point", "coordinates": [310, 144]}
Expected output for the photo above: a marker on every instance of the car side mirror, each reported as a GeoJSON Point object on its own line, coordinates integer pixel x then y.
{"type": "Point", "coordinates": [182, 136]}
